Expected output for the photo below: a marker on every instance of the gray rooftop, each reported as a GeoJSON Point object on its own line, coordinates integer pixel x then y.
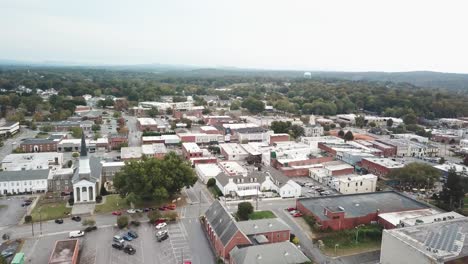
{"type": "Point", "coordinates": [37, 141]}
{"type": "Point", "coordinates": [253, 227]}
{"type": "Point", "coordinates": [274, 253]}
{"type": "Point", "coordinates": [221, 221]}
{"type": "Point", "coordinates": [356, 205]}
{"type": "Point", "coordinates": [447, 240]}
{"type": "Point", "coordinates": [24, 175]}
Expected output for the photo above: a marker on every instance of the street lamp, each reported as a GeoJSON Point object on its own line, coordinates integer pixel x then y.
{"type": "Point", "coordinates": [40, 221]}
{"type": "Point", "coordinates": [336, 245]}
{"type": "Point", "coordinates": [357, 232]}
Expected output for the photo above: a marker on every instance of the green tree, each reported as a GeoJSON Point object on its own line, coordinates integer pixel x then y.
{"type": "Point", "coordinates": [452, 193]}
{"type": "Point", "coordinates": [372, 124]}
{"type": "Point", "coordinates": [235, 105]}
{"type": "Point", "coordinates": [154, 179]}
{"type": "Point", "coordinates": [360, 121]}
{"type": "Point", "coordinates": [296, 131]}
{"type": "Point", "coordinates": [3, 260]}
{"type": "Point", "coordinates": [95, 128]}
{"type": "Point", "coordinates": [389, 122]}
{"type": "Point", "coordinates": [153, 112]}
{"type": "Point", "coordinates": [122, 221]}
{"type": "Point", "coordinates": [244, 209]}
{"type": "Point", "coordinates": [253, 105]}
{"type": "Point", "coordinates": [410, 119]}
{"type": "Point", "coordinates": [348, 136]}
{"type": "Point", "coordinates": [75, 155]}
{"type": "Point", "coordinates": [103, 190]}
{"type": "Point", "coordinates": [280, 127]}
{"type": "Point", "coordinates": [211, 182]}
{"type": "Point", "coordinates": [154, 215]}
{"type": "Point", "coordinates": [342, 124]}
{"type": "Point", "coordinates": [341, 133]}
{"type": "Point", "coordinates": [416, 175]}
{"type": "Point", "coordinates": [76, 132]}
{"type": "Point", "coordinates": [441, 160]}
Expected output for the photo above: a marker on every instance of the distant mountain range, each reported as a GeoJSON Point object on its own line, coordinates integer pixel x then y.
{"type": "Point", "coordinates": [452, 81]}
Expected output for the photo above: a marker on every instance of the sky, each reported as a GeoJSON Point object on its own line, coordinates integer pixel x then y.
{"type": "Point", "coordinates": [331, 35]}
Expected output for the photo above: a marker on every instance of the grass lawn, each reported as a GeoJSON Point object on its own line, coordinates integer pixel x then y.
{"type": "Point", "coordinates": [50, 211]}
{"type": "Point", "coordinates": [113, 203]}
{"type": "Point", "coordinates": [261, 215]}
{"type": "Point", "coordinates": [2, 206]}
{"type": "Point", "coordinates": [369, 238]}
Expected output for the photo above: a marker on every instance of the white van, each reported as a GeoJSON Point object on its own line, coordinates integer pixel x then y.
{"type": "Point", "coordinates": [74, 234]}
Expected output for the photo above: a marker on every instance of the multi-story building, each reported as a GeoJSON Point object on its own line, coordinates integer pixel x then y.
{"type": "Point", "coordinates": [60, 180]}
{"type": "Point", "coordinates": [191, 150]}
{"type": "Point", "coordinates": [32, 161]}
{"type": "Point", "coordinates": [351, 184]}
{"type": "Point", "coordinates": [152, 124]}
{"type": "Point", "coordinates": [380, 166]}
{"type": "Point", "coordinates": [23, 181]}
{"type": "Point", "coordinates": [155, 150]}
{"type": "Point", "coordinates": [8, 129]}
{"type": "Point", "coordinates": [233, 151]}
{"type": "Point", "coordinates": [38, 145]}
{"type": "Point", "coordinates": [201, 138]}
{"type": "Point", "coordinates": [313, 130]}
{"type": "Point", "coordinates": [109, 169]}
{"type": "Point", "coordinates": [166, 139]}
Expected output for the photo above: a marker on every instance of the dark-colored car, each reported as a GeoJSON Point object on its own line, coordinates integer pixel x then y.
{"type": "Point", "coordinates": [8, 252]}
{"type": "Point", "coordinates": [59, 221]}
{"type": "Point", "coordinates": [163, 237]}
{"type": "Point", "coordinates": [118, 245]}
{"type": "Point", "coordinates": [26, 203]}
{"type": "Point", "coordinates": [129, 250]}
{"type": "Point", "coordinates": [132, 233]}
{"type": "Point", "coordinates": [90, 228]}
{"type": "Point", "coordinates": [76, 218]}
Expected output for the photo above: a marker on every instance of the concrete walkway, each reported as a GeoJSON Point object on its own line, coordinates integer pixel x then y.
{"type": "Point", "coordinates": [83, 209]}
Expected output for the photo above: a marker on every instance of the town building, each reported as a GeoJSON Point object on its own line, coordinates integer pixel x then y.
{"type": "Point", "coordinates": [64, 126]}
{"type": "Point", "coordinates": [194, 111]}
{"type": "Point", "coordinates": [152, 124]}
{"type": "Point", "coordinates": [351, 184]}
{"type": "Point", "coordinates": [116, 141]}
{"type": "Point", "coordinates": [348, 211]}
{"type": "Point", "coordinates": [74, 145]}
{"type": "Point", "coordinates": [207, 171]}
{"type": "Point", "coordinates": [109, 169]}
{"type": "Point", "coordinates": [166, 139]}
{"type": "Point", "coordinates": [8, 129]}
{"type": "Point", "coordinates": [32, 161]}
{"type": "Point", "coordinates": [60, 180]}
{"type": "Point", "coordinates": [278, 253]}
{"type": "Point", "coordinates": [201, 138]}
{"type": "Point", "coordinates": [435, 243]}
{"type": "Point", "coordinates": [415, 217]}
{"type": "Point", "coordinates": [39, 145]}
{"type": "Point", "coordinates": [380, 166]}
{"type": "Point", "coordinates": [324, 172]}
{"type": "Point", "coordinates": [191, 150]}
{"type": "Point", "coordinates": [217, 120]}
{"type": "Point", "coordinates": [210, 130]}
{"type": "Point", "coordinates": [23, 181]}
{"type": "Point", "coordinates": [233, 151]}
{"type": "Point", "coordinates": [273, 138]}
{"type": "Point", "coordinates": [155, 150]}
{"type": "Point", "coordinates": [461, 170]}
{"type": "Point", "coordinates": [313, 130]}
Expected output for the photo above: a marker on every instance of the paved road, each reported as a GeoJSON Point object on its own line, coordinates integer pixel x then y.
{"type": "Point", "coordinates": [11, 211]}
{"type": "Point", "coordinates": [134, 135]}
{"type": "Point", "coordinates": [14, 142]}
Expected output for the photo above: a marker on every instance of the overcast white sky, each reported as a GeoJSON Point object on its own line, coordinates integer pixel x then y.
{"type": "Point", "coordinates": [350, 35]}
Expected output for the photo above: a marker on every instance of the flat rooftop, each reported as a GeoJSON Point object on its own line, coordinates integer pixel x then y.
{"type": "Point", "coordinates": [395, 217]}
{"type": "Point", "coordinates": [233, 149]}
{"type": "Point", "coordinates": [191, 147]}
{"type": "Point", "coordinates": [155, 148]}
{"type": "Point", "coordinates": [385, 162]}
{"type": "Point", "coordinates": [64, 252]}
{"type": "Point", "coordinates": [130, 152]}
{"type": "Point", "coordinates": [441, 241]}
{"type": "Point", "coordinates": [357, 205]}
{"type": "Point", "coordinates": [144, 121]}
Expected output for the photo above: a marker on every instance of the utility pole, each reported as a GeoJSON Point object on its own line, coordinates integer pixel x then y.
{"type": "Point", "coordinates": [32, 227]}
{"type": "Point", "coordinates": [40, 222]}
{"type": "Point", "coordinates": [256, 201]}
{"type": "Point", "coordinates": [199, 204]}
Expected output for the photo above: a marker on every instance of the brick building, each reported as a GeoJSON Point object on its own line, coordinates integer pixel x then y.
{"type": "Point", "coordinates": [191, 150]}
{"type": "Point", "coordinates": [348, 211]}
{"type": "Point", "coordinates": [39, 145]}
{"type": "Point", "coordinates": [380, 166]}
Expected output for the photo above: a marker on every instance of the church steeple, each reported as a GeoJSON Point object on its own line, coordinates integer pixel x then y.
{"type": "Point", "coordinates": [83, 151]}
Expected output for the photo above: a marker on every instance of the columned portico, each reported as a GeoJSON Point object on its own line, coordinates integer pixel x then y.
{"type": "Point", "coordinates": [84, 192]}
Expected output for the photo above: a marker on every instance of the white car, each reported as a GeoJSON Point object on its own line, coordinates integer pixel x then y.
{"type": "Point", "coordinates": [161, 233]}
{"type": "Point", "coordinates": [131, 211]}
{"type": "Point", "coordinates": [161, 225]}
{"type": "Point", "coordinates": [74, 234]}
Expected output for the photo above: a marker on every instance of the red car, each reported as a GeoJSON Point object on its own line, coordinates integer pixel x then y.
{"type": "Point", "coordinates": [171, 206]}
{"type": "Point", "coordinates": [116, 213]}
{"type": "Point", "coordinates": [298, 214]}
{"type": "Point", "coordinates": [163, 208]}
{"type": "Point", "coordinates": [160, 220]}
{"type": "Point", "coordinates": [290, 209]}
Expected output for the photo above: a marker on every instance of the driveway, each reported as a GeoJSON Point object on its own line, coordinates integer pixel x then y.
{"type": "Point", "coordinates": [11, 211]}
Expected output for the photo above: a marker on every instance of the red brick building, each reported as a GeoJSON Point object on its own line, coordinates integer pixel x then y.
{"type": "Point", "coordinates": [278, 138]}
{"type": "Point", "coordinates": [191, 150]}
{"type": "Point", "coordinates": [116, 141]}
{"type": "Point", "coordinates": [224, 233]}
{"type": "Point", "coordinates": [387, 150]}
{"type": "Point", "coordinates": [380, 166]}
{"type": "Point", "coordinates": [298, 168]}
{"type": "Point", "coordinates": [39, 145]}
{"type": "Point", "coordinates": [348, 211]}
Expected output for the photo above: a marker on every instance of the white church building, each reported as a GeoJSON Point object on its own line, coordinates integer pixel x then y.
{"type": "Point", "coordinates": [86, 178]}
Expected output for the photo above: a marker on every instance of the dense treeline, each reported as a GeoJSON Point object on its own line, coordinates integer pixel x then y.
{"type": "Point", "coordinates": [291, 95]}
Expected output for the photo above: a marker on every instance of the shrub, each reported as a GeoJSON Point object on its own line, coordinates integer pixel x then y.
{"type": "Point", "coordinates": [88, 222]}
{"type": "Point", "coordinates": [211, 182]}
{"type": "Point", "coordinates": [310, 221]}
{"type": "Point", "coordinates": [28, 219]}
{"type": "Point", "coordinates": [153, 215]}
{"type": "Point", "coordinates": [295, 241]}
{"type": "Point", "coordinates": [71, 201]}
{"type": "Point", "coordinates": [98, 199]}
{"type": "Point", "coordinates": [244, 209]}
{"type": "Point", "coordinates": [135, 223]}
{"type": "Point", "coordinates": [104, 192]}
{"type": "Point", "coordinates": [172, 216]}
{"type": "Point", "coordinates": [122, 221]}
{"type": "Point", "coordinates": [75, 154]}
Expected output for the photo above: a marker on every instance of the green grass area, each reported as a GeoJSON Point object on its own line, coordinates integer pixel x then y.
{"type": "Point", "coordinates": [261, 215]}
{"type": "Point", "coordinates": [3, 206]}
{"type": "Point", "coordinates": [42, 135]}
{"type": "Point", "coordinates": [50, 211]}
{"type": "Point", "coordinates": [215, 191]}
{"type": "Point", "coordinates": [368, 238]}
{"type": "Point", "coordinates": [113, 202]}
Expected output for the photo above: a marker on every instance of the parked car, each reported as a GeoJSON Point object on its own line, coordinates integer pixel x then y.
{"type": "Point", "coordinates": [161, 233]}
{"type": "Point", "coordinates": [25, 203]}
{"type": "Point", "coordinates": [132, 233]}
{"type": "Point", "coordinates": [117, 213]}
{"type": "Point", "coordinates": [74, 234]}
{"type": "Point", "coordinates": [297, 214]}
{"type": "Point", "coordinates": [129, 250]}
{"type": "Point", "coordinates": [59, 221]}
{"type": "Point", "coordinates": [118, 245]}
{"type": "Point", "coordinates": [171, 206]}
{"type": "Point", "coordinates": [118, 239]}
{"type": "Point", "coordinates": [8, 252]}
{"type": "Point", "coordinates": [160, 220]}
{"type": "Point", "coordinates": [162, 237]}
{"type": "Point", "coordinates": [163, 208]}
{"type": "Point", "coordinates": [161, 225]}
{"type": "Point", "coordinates": [90, 228]}
{"type": "Point", "coordinates": [291, 209]}
{"type": "Point", "coordinates": [293, 212]}
{"type": "Point", "coordinates": [126, 237]}
{"type": "Point", "coordinates": [131, 211]}
{"type": "Point", "coordinates": [76, 218]}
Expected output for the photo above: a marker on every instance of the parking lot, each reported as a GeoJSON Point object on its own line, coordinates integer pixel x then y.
{"type": "Point", "coordinates": [310, 191]}
{"type": "Point", "coordinates": [96, 246]}
{"type": "Point", "coordinates": [11, 211]}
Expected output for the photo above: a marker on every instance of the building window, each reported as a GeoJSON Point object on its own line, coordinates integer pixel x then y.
{"type": "Point", "coordinates": [361, 183]}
